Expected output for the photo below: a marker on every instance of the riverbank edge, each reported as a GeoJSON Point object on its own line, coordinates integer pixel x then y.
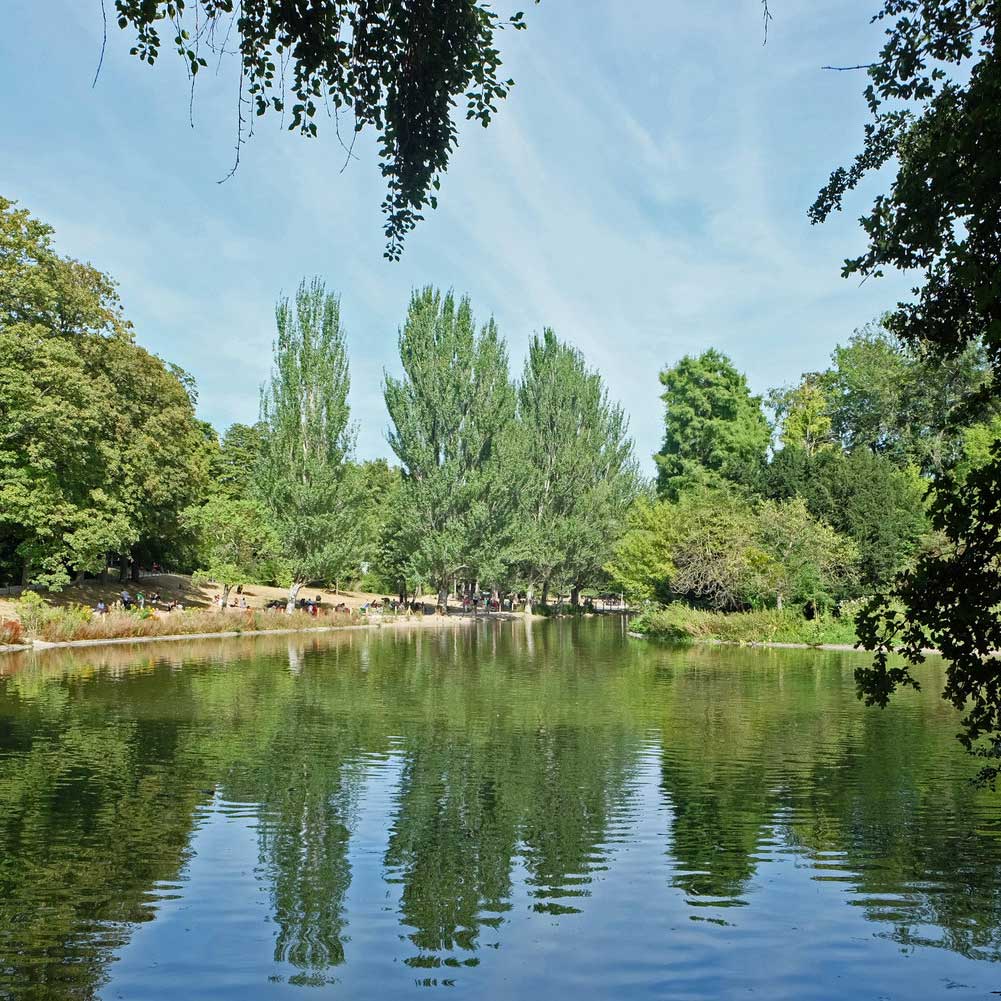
{"type": "Point", "coordinates": [426, 623]}
{"type": "Point", "coordinates": [765, 644]}
{"type": "Point", "coordinates": [711, 641]}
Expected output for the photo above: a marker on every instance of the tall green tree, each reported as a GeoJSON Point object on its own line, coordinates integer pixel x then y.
{"type": "Point", "coordinates": [234, 541]}
{"type": "Point", "coordinates": [100, 449]}
{"type": "Point", "coordinates": [933, 93]}
{"type": "Point", "coordinates": [448, 414]}
{"type": "Point", "coordinates": [714, 428]}
{"type": "Point", "coordinates": [892, 398]}
{"type": "Point", "coordinates": [803, 416]}
{"type": "Point", "coordinates": [309, 493]}
{"type": "Point", "coordinates": [863, 496]}
{"type": "Point", "coordinates": [576, 474]}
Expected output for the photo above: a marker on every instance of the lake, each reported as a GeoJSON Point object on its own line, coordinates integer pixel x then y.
{"type": "Point", "coordinates": [507, 810]}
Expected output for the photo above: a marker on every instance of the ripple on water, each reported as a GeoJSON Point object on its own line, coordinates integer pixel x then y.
{"type": "Point", "coordinates": [555, 812]}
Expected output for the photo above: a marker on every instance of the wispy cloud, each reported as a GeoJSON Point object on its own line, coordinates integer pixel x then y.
{"type": "Point", "coordinates": [643, 191]}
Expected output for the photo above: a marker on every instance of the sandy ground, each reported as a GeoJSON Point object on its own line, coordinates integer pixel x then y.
{"type": "Point", "coordinates": [180, 588]}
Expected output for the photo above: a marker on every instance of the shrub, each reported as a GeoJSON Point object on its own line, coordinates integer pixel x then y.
{"type": "Point", "coordinates": [76, 622]}
{"type": "Point", "coordinates": [11, 632]}
{"type": "Point", "coordinates": [32, 610]}
{"type": "Point", "coordinates": [681, 623]}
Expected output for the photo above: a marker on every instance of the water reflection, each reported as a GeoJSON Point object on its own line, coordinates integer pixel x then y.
{"type": "Point", "coordinates": [521, 777]}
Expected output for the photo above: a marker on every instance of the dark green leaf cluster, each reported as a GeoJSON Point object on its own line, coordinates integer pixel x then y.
{"type": "Point", "coordinates": [935, 99]}
{"type": "Point", "coordinates": [100, 450]}
{"type": "Point", "coordinates": [393, 65]}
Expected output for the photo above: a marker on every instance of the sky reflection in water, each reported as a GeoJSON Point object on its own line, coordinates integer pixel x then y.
{"type": "Point", "coordinates": [553, 810]}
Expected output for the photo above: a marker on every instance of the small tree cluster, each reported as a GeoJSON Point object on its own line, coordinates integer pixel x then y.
{"type": "Point", "coordinates": [507, 485]}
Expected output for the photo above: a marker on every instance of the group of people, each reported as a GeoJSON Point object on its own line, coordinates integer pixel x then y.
{"type": "Point", "coordinates": [241, 602]}
{"type": "Point", "coordinates": [312, 606]}
{"type": "Point", "coordinates": [128, 601]}
{"type": "Point", "coordinates": [488, 603]}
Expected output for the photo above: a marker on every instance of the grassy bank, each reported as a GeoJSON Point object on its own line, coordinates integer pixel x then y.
{"type": "Point", "coordinates": [61, 624]}
{"type": "Point", "coordinates": [683, 624]}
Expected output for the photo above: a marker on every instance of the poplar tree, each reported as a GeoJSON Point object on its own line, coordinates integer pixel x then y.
{"type": "Point", "coordinates": [448, 413]}
{"type": "Point", "coordinates": [576, 474]}
{"type": "Point", "coordinates": [302, 477]}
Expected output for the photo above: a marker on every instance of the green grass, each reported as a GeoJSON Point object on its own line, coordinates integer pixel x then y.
{"type": "Point", "coordinates": [684, 624]}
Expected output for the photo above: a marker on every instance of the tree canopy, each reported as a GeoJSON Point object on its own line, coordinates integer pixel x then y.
{"type": "Point", "coordinates": [448, 413]}
{"type": "Point", "coordinates": [302, 476]}
{"type": "Point", "coordinates": [100, 450]}
{"type": "Point", "coordinates": [714, 429]}
{"type": "Point", "coordinates": [576, 476]}
{"type": "Point", "coordinates": [395, 67]}
{"type": "Point", "coordinates": [933, 94]}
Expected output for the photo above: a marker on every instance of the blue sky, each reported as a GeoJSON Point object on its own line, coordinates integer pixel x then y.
{"type": "Point", "coordinates": [643, 191]}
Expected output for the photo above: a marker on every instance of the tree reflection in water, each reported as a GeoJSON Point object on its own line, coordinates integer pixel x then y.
{"type": "Point", "coordinates": [520, 752]}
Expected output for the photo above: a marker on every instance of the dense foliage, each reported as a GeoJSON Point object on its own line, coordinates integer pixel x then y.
{"type": "Point", "coordinates": [934, 94]}
{"type": "Point", "coordinates": [307, 489]}
{"type": "Point", "coordinates": [448, 413]}
{"type": "Point", "coordinates": [575, 475]}
{"type": "Point", "coordinates": [714, 429]}
{"type": "Point", "coordinates": [503, 485]}
{"type": "Point", "coordinates": [833, 509]}
{"type": "Point", "coordinates": [100, 450]}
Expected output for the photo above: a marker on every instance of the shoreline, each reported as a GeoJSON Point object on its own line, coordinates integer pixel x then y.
{"type": "Point", "coordinates": [427, 622]}
{"type": "Point", "coordinates": [768, 645]}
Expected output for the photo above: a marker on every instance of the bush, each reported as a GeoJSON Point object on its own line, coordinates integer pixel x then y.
{"type": "Point", "coordinates": [683, 624]}
{"type": "Point", "coordinates": [11, 632]}
{"type": "Point", "coordinates": [32, 610]}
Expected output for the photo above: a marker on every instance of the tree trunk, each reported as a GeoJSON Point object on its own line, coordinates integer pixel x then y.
{"type": "Point", "coordinates": [225, 596]}
{"type": "Point", "coordinates": [26, 573]}
{"type": "Point", "coordinates": [528, 601]}
{"type": "Point", "coordinates": [104, 569]}
{"type": "Point", "coordinates": [544, 599]}
{"type": "Point", "coordinates": [443, 595]}
{"type": "Point", "coordinates": [293, 593]}
{"type": "Point", "coordinates": [123, 568]}
{"type": "Point", "coordinates": [575, 596]}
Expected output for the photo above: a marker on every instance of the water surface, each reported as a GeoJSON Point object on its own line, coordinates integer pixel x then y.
{"type": "Point", "coordinates": [506, 811]}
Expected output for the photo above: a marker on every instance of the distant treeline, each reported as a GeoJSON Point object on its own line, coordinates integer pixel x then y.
{"type": "Point", "coordinates": [500, 483]}
{"type": "Point", "coordinates": [497, 483]}
{"type": "Point", "coordinates": [819, 493]}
